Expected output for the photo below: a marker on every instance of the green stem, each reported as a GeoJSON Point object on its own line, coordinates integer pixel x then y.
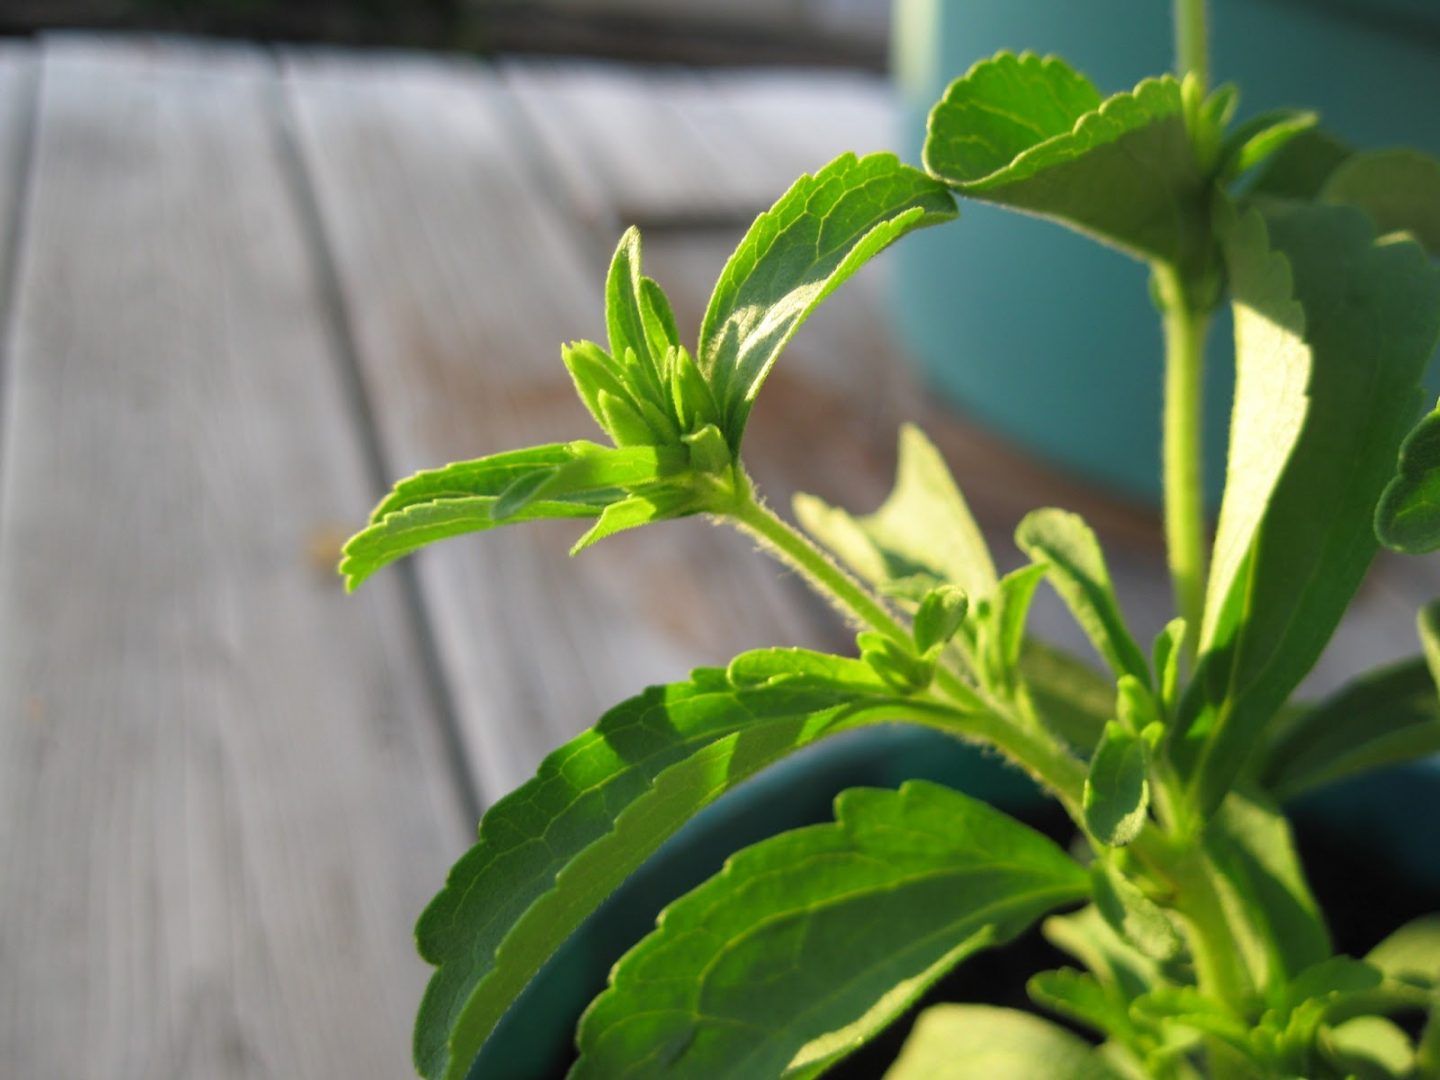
{"type": "Point", "coordinates": [819, 571]}
{"type": "Point", "coordinates": [1185, 534]}
{"type": "Point", "coordinates": [1033, 751]}
{"type": "Point", "coordinates": [1192, 41]}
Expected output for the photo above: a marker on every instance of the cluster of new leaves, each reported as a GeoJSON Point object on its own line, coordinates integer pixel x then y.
{"type": "Point", "coordinates": [675, 419]}
{"type": "Point", "coordinates": [807, 944]}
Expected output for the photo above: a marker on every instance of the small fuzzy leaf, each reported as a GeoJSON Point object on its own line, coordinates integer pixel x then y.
{"type": "Point", "coordinates": [487, 476]}
{"type": "Point", "coordinates": [807, 944]}
{"type": "Point", "coordinates": [1032, 134]}
{"type": "Point", "coordinates": [624, 421]}
{"type": "Point", "coordinates": [1117, 789]}
{"type": "Point", "coordinates": [462, 498]}
{"type": "Point", "coordinates": [1003, 633]}
{"type": "Point", "coordinates": [636, 510]}
{"type": "Point", "coordinates": [1081, 997]}
{"type": "Point", "coordinates": [625, 316]}
{"type": "Point", "coordinates": [1427, 625]}
{"type": "Point", "coordinates": [1371, 1048]}
{"type": "Point", "coordinates": [1073, 701]}
{"type": "Point", "coordinates": [422, 524]}
{"type": "Point", "coordinates": [695, 406]}
{"type": "Point", "coordinates": [595, 470]}
{"type": "Point", "coordinates": [1275, 922]}
{"type": "Point", "coordinates": [924, 526]}
{"type": "Point", "coordinates": [594, 372]}
{"type": "Point", "coordinates": [708, 451]}
{"type": "Point", "coordinates": [1412, 953]}
{"type": "Point", "coordinates": [940, 614]}
{"type": "Point", "coordinates": [1076, 567]}
{"type": "Point", "coordinates": [981, 1042]}
{"type": "Point", "coordinates": [1124, 971]}
{"type": "Point", "coordinates": [1166, 654]}
{"type": "Point", "coordinates": [896, 664]}
{"type": "Point", "coordinates": [1399, 189]}
{"type": "Point", "coordinates": [1134, 916]}
{"type": "Point", "coordinates": [1382, 718]}
{"type": "Point", "coordinates": [1135, 705]}
{"type": "Point", "coordinates": [1260, 138]}
{"type": "Point", "coordinates": [795, 254]}
{"type": "Point", "coordinates": [552, 851]}
{"type": "Point", "coordinates": [1298, 169]}
{"type": "Point", "coordinates": [1407, 518]}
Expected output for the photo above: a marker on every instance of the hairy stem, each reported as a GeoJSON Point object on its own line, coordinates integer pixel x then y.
{"type": "Point", "coordinates": [1185, 534]}
{"type": "Point", "coordinates": [1034, 751]}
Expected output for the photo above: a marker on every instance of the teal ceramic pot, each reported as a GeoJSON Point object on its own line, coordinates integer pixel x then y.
{"type": "Point", "coordinates": [1043, 335]}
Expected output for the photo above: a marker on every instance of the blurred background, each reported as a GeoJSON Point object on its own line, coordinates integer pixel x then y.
{"type": "Point", "coordinates": [258, 260]}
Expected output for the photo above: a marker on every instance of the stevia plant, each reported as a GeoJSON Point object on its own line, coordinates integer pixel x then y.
{"type": "Point", "coordinates": [1199, 948]}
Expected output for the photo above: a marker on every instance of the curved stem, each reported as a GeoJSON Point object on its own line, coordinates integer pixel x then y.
{"type": "Point", "coordinates": [1185, 535]}
{"type": "Point", "coordinates": [819, 570]}
{"type": "Point", "coordinates": [1033, 751]}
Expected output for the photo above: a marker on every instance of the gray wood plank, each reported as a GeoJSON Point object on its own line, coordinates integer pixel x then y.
{"type": "Point", "coordinates": [18, 71]}
{"type": "Point", "coordinates": [671, 146]}
{"type": "Point", "coordinates": [222, 802]}
{"type": "Point", "coordinates": [462, 282]}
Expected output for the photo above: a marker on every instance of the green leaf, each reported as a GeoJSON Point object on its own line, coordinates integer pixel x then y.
{"type": "Point", "coordinates": [1088, 936]}
{"type": "Point", "coordinates": [1407, 518]}
{"type": "Point", "coordinates": [1371, 1048]}
{"type": "Point", "coordinates": [1427, 625]}
{"type": "Point", "coordinates": [636, 510]}
{"type": "Point", "coordinates": [981, 1042]}
{"type": "Point", "coordinates": [924, 526]}
{"type": "Point", "coordinates": [594, 373]}
{"type": "Point", "coordinates": [1032, 134]}
{"type": "Point", "coordinates": [484, 477]}
{"type": "Point", "coordinates": [1076, 567]}
{"type": "Point", "coordinates": [1398, 188]}
{"type": "Point", "coordinates": [1072, 700]}
{"type": "Point", "coordinates": [1333, 331]}
{"type": "Point", "coordinates": [550, 852]}
{"type": "Point", "coordinates": [1001, 634]}
{"type": "Point", "coordinates": [1412, 953]}
{"type": "Point", "coordinates": [1136, 918]}
{"type": "Point", "coordinates": [1298, 170]}
{"type": "Point", "coordinates": [897, 665]}
{"type": "Point", "coordinates": [798, 252]}
{"type": "Point", "coordinates": [940, 614]}
{"type": "Point", "coordinates": [1275, 922]}
{"type": "Point", "coordinates": [1382, 718]}
{"type": "Point", "coordinates": [1165, 654]}
{"type": "Point", "coordinates": [1082, 997]}
{"type": "Point", "coordinates": [1260, 138]}
{"type": "Point", "coordinates": [807, 944]}
{"type": "Point", "coordinates": [626, 321]}
{"type": "Point", "coordinates": [1117, 789]}
{"type": "Point", "coordinates": [560, 480]}
{"type": "Point", "coordinates": [598, 469]}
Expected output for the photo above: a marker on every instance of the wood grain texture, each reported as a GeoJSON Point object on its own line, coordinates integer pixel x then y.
{"type": "Point", "coordinates": [462, 281]}
{"type": "Point", "coordinates": [221, 799]}
{"type": "Point", "coordinates": [673, 148]}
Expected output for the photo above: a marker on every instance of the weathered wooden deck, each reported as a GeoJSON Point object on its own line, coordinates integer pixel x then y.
{"type": "Point", "coordinates": [240, 293]}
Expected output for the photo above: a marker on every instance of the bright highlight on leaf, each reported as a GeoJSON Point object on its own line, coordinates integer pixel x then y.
{"type": "Point", "coordinates": [1328, 369]}
{"type": "Point", "coordinates": [809, 943]}
{"type": "Point", "coordinates": [980, 1042]}
{"type": "Point", "coordinates": [1032, 134]}
{"type": "Point", "coordinates": [795, 255]}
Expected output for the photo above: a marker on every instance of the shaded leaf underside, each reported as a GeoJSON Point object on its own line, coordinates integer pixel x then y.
{"type": "Point", "coordinates": [808, 943]}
